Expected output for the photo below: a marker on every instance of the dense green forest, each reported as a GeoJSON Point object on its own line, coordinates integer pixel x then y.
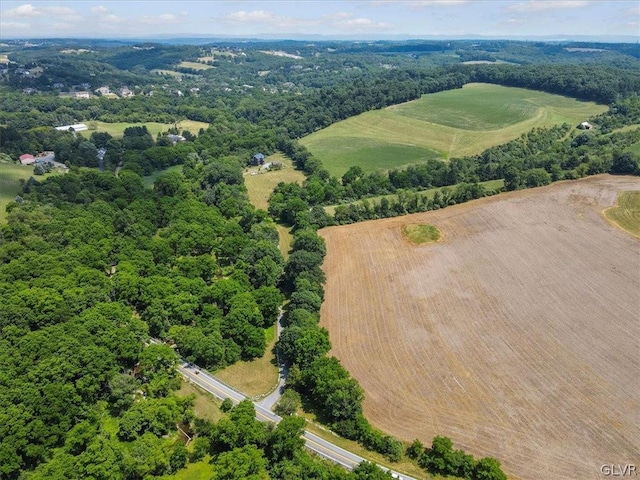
{"type": "Point", "coordinates": [92, 264]}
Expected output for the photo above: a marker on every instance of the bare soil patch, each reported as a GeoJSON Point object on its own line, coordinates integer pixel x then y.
{"type": "Point", "coordinates": [518, 337]}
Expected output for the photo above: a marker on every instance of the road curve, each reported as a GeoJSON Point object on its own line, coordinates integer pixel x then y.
{"type": "Point", "coordinates": [314, 443]}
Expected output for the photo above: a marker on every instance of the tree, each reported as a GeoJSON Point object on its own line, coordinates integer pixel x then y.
{"type": "Point", "coordinates": [286, 440]}
{"type": "Point", "coordinates": [625, 163]}
{"type": "Point", "coordinates": [246, 463]}
{"type": "Point", "coordinates": [288, 403]}
{"type": "Point", "coordinates": [489, 469]}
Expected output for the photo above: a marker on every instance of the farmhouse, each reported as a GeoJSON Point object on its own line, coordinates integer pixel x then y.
{"type": "Point", "coordinates": [585, 126]}
{"type": "Point", "coordinates": [175, 138]}
{"type": "Point", "coordinates": [257, 159]}
{"type": "Point", "coordinates": [27, 159]}
{"type": "Point", "coordinates": [78, 127]}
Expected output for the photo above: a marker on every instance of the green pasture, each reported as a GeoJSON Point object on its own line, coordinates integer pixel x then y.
{"type": "Point", "coordinates": [626, 214]}
{"type": "Point", "coordinates": [421, 233]}
{"type": "Point", "coordinates": [10, 186]}
{"type": "Point", "coordinates": [447, 124]}
{"type": "Point", "coordinates": [116, 129]}
{"type": "Point", "coordinates": [490, 185]}
{"type": "Point", "coordinates": [194, 65]}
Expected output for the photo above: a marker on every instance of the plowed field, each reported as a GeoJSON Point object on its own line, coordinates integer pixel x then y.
{"type": "Point", "coordinates": [517, 335]}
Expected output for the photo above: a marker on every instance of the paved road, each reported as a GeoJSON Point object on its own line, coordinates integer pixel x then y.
{"type": "Point", "coordinates": [314, 443]}
{"type": "Point", "coordinates": [270, 400]}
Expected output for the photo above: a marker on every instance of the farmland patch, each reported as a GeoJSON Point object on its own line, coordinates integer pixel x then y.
{"type": "Point", "coordinates": [517, 337]}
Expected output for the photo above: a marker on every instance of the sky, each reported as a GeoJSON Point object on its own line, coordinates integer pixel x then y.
{"type": "Point", "coordinates": [344, 18]}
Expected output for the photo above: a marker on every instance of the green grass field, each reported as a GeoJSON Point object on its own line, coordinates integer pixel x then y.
{"type": "Point", "coordinates": [443, 125]}
{"type": "Point", "coordinates": [195, 65]}
{"type": "Point", "coordinates": [488, 186]}
{"type": "Point", "coordinates": [10, 176]}
{"type": "Point", "coordinates": [150, 179]}
{"type": "Point", "coordinates": [116, 130]}
{"type": "Point", "coordinates": [421, 233]}
{"type": "Point", "coordinates": [626, 214]}
{"type": "Point", "coordinates": [256, 377]}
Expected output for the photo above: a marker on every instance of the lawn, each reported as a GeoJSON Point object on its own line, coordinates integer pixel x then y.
{"type": "Point", "coordinates": [444, 125]}
{"type": "Point", "coordinates": [488, 186]}
{"type": "Point", "coordinates": [201, 470]}
{"type": "Point", "coordinates": [626, 214]}
{"type": "Point", "coordinates": [116, 130]}
{"type": "Point", "coordinates": [260, 183]}
{"type": "Point", "coordinates": [149, 180]}
{"type": "Point", "coordinates": [10, 186]}
{"type": "Point", "coordinates": [205, 404]}
{"type": "Point", "coordinates": [257, 377]}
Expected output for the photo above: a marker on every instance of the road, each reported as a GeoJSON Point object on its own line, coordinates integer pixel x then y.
{"type": "Point", "coordinates": [314, 443]}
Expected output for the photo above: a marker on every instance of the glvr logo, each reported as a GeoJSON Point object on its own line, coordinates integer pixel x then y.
{"type": "Point", "coordinates": [618, 470]}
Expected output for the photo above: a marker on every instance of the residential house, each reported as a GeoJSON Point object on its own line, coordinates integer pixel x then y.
{"type": "Point", "coordinates": [125, 92]}
{"type": "Point", "coordinates": [82, 95]}
{"type": "Point", "coordinates": [257, 159]}
{"type": "Point", "coordinates": [78, 127]}
{"type": "Point", "coordinates": [103, 90]}
{"type": "Point", "coordinates": [27, 159]}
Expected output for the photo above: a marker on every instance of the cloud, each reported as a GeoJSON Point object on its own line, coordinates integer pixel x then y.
{"type": "Point", "coordinates": [16, 25]}
{"type": "Point", "coordinates": [99, 9]}
{"type": "Point", "coordinates": [29, 11]}
{"type": "Point", "coordinates": [22, 11]}
{"type": "Point", "coordinates": [361, 24]}
{"type": "Point", "coordinates": [243, 16]}
{"type": "Point", "coordinates": [164, 19]}
{"type": "Point", "coordinates": [545, 5]}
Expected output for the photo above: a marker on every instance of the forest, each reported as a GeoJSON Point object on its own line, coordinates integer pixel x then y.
{"type": "Point", "coordinates": [93, 264]}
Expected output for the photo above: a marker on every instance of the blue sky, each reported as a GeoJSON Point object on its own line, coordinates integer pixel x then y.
{"type": "Point", "coordinates": [353, 18]}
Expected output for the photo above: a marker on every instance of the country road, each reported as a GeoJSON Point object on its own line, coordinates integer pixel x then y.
{"type": "Point", "coordinates": [314, 443]}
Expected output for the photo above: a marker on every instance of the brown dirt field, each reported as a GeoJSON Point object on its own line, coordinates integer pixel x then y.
{"type": "Point", "coordinates": [517, 337]}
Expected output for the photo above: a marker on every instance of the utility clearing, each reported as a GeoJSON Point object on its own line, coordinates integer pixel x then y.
{"type": "Point", "coordinates": [454, 123]}
{"type": "Point", "coordinates": [516, 335]}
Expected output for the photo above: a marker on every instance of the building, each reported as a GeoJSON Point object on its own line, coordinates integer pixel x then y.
{"type": "Point", "coordinates": [103, 90]}
{"type": "Point", "coordinates": [78, 127]}
{"type": "Point", "coordinates": [46, 157]}
{"type": "Point", "coordinates": [82, 95]}
{"type": "Point", "coordinates": [125, 92]}
{"type": "Point", "coordinates": [175, 138]}
{"type": "Point", "coordinates": [27, 159]}
{"type": "Point", "coordinates": [257, 159]}
{"type": "Point", "coordinates": [585, 126]}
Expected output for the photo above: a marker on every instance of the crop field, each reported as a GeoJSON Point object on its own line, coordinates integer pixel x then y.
{"type": "Point", "coordinates": [444, 125]}
{"type": "Point", "coordinates": [516, 335]}
{"type": "Point", "coordinates": [116, 130]}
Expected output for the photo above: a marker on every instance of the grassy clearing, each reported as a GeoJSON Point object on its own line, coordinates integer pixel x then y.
{"type": "Point", "coordinates": [260, 183]}
{"type": "Point", "coordinates": [201, 470]}
{"type": "Point", "coordinates": [173, 73]}
{"type": "Point", "coordinates": [116, 130]}
{"type": "Point", "coordinates": [421, 233]}
{"type": "Point", "coordinates": [10, 186]}
{"type": "Point", "coordinates": [257, 377]}
{"type": "Point", "coordinates": [447, 124]}
{"type": "Point", "coordinates": [149, 180]}
{"type": "Point", "coordinates": [488, 185]}
{"type": "Point", "coordinates": [194, 65]}
{"type": "Point", "coordinates": [626, 214]}
{"type": "Point", "coordinates": [286, 239]}
{"type": "Point", "coordinates": [206, 405]}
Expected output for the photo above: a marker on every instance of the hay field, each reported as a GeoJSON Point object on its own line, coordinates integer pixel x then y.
{"type": "Point", "coordinates": [444, 125]}
{"type": "Point", "coordinates": [516, 336]}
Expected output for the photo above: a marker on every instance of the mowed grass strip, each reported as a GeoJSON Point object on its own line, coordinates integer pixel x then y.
{"type": "Point", "coordinates": [626, 214]}
{"type": "Point", "coordinates": [149, 180]}
{"type": "Point", "coordinates": [444, 125]}
{"type": "Point", "coordinates": [421, 233]}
